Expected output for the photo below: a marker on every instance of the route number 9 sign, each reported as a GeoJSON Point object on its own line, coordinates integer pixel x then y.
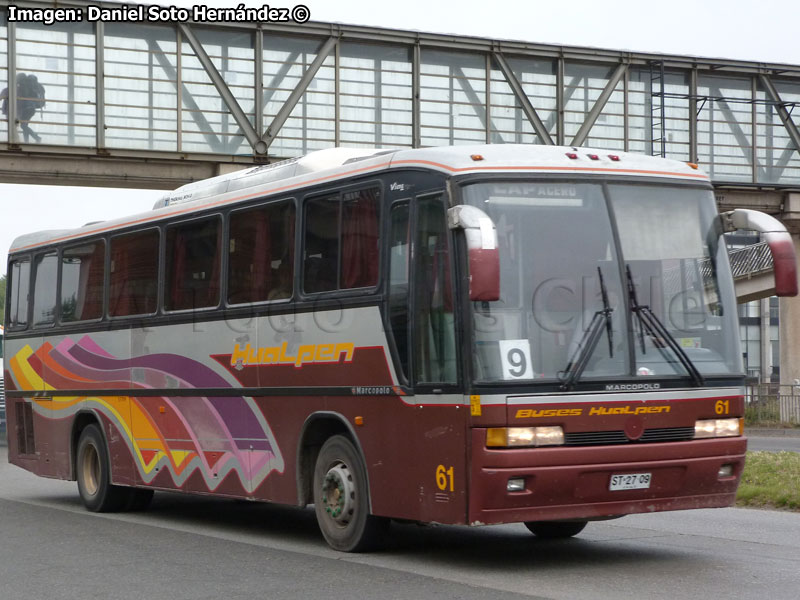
{"type": "Point", "coordinates": [515, 357]}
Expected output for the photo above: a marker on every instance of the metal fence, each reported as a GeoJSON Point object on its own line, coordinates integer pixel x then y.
{"type": "Point", "coordinates": [771, 404]}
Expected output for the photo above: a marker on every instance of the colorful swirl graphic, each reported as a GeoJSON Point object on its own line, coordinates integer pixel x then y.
{"type": "Point", "coordinates": [183, 434]}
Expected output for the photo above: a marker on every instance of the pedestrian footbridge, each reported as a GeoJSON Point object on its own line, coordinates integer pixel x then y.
{"type": "Point", "coordinates": [159, 104]}
{"type": "Point", "coordinates": [752, 272]}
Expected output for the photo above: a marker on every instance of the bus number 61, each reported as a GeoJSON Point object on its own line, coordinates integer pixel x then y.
{"type": "Point", "coordinates": [443, 477]}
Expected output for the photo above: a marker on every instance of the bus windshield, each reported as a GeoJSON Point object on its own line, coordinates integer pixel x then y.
{"type": "Point", "coordinates": [576, 257]}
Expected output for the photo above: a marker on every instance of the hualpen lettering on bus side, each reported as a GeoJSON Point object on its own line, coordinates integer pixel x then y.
{"type": "Point", "coordinates": [280, 355]}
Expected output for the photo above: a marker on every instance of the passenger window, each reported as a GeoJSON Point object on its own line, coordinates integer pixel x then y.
{"type": "Point", "coordinates": [360, 239]}
{"type": "Point", "coordinates": [435, 344]}
{"type": "Point", "coordinates": [261, 254]}
{"type": "Point", "coordinates": [193, 265]}
{"type": "Point", "coordinates": [341, 241]}
{"type": "Point", "coordinates": [18, 298]}
{"type": "Point", "coordinates": [321, 249]}
{"type": "Point", "coordinates": [134, 274]}
{"type": "Point", "coordinates": [82, 273]}
{"type": "Point", "coordinates": [44, 289]}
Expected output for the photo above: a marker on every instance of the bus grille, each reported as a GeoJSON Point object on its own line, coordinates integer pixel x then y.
{"type": "Point", "coordinates": [26, 440]}
{"type": "Point", "coordinates": [599, 438]}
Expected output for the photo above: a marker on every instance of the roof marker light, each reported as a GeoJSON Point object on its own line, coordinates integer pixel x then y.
{"type": "Point", "coordinates": [693, 165]}
{"type": "Point", "coordinates": [614, 157]}
{"type": "Point", "coordinates": [476, 156]}
{"type": "Point", "coordinates": [572, 155]}
{"type": "Point", "coordinates": [593, 156]}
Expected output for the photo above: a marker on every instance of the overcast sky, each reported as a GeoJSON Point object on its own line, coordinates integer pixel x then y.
{"type": "Point", "coordinates": [765, 31]}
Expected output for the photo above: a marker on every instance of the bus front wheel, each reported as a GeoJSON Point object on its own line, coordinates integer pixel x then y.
{"type": "Point", "coordinates": [341, 499]}
{"type": "Point", "coordinates": [552, 530]}
{"type": "Point", "coordinates": [94, 474]}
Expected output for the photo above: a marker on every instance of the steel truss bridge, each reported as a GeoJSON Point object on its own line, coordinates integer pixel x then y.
{"type": "Point", "coordinates": [156, 105]}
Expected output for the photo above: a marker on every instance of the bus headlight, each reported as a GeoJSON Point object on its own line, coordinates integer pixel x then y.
{"type": "Point", "coordinates": [711, 428]}
{"type": "Point", "coordinates": [520, 437]}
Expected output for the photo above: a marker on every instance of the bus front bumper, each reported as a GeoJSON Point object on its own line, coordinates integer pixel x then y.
{"type": "Point", "coordinates": [574, 482]}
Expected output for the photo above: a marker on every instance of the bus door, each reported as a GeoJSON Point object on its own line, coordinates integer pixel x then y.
{"type": "Point", "coordinates": [33, 437]}
{"type": "Point", "coordinates": [421, 315]}
{"type": "Point", "coordinates": [20, 411]}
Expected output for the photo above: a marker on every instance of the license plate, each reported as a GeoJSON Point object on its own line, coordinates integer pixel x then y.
{"type": "Point", "coordinates": [632, 481]}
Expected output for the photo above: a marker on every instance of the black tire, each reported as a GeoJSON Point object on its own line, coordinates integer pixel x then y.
{"type": "Point", "coordinates": [553, 530]}
{"type": "Point", "coordinates": [94, 474]}
{"type": "Point", "coordinates": [341, 499]}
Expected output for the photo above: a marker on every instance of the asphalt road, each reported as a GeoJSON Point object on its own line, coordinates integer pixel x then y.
{"type": "Point", "coordinates": [774, 443]}
{"type": "Point", "coordinates": [198, 548]}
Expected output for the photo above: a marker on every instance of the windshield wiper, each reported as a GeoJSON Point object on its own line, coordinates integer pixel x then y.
{"type": "Point", "coordinates": [650, 323]}
{"type": "Point", "coordinates": [591, 335]}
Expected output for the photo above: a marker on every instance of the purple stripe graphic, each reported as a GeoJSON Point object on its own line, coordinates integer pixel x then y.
{"type": "Point", "coordinates": [233, 410]}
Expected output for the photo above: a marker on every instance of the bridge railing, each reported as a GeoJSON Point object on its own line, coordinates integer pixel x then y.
{"type": "Point", "coordinates": [750, 260]}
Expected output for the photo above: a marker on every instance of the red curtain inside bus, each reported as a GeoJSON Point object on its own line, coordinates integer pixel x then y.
{"type": "Point", "coordinates": [261, 253]}
{"type": "Point", "coordinates": [134, 274]}
{"type": "Point", "coordinates": [193, 264]}
{"type": "Point", "coordinates": [91, 288]}
{"type": "Point", "coordinates": [360, 240]}
{"type": "Point", "coordinates": [82, 271]}
{"type": "Point", "coordinates": [249, 269]}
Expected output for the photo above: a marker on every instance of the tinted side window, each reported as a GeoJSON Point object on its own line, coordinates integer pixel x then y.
{"type": "Point", "coordinates": [261, 254]}
{"type": "Point", "coordinates": [341, 241]}
{"type": "Point", "coordinates": [82, 273]}
{"type": "Point", "coordinates": [44, 289]}
{"type": "Point", "coordinates": [193, 265]}
{"type": "Point", "coordinates": [321, 250]}
{"type": "Point", "coordinates": [435, 344]}
{"type": "Point", "coordinates": [18, 297]}
{"type": "Point", "coordinates": [134, 274]}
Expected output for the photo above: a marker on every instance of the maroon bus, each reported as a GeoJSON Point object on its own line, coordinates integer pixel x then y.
{"type": "Point", "coordinates": [467, 335]}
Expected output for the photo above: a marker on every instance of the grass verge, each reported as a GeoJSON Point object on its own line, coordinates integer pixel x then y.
{"type": "Point", "coordinates": [771, 480]}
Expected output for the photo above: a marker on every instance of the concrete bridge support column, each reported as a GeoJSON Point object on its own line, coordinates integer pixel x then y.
{"type": "Point", "coordinates": [789, 317]}
{"type": "Point", "coordinates": [765, 341]}
{"type": "Point", "coordinates": [790, 332]}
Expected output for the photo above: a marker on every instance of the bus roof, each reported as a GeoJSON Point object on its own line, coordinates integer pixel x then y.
{"type": "Point", "coordinates": [341, 163]}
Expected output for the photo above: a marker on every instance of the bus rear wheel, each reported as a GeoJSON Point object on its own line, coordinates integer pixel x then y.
{"type": "Point", "coordinates": [553, 530]}
{"type": "Point", "coordinates": [341, 499]}
{"type": "Point", "coordinates": [94, 475]}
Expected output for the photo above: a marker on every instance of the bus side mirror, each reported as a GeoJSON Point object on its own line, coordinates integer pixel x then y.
{"type": "Point", "coordinates": [778, 239]}
{"type": "Point", "coordinates": [484, 258]}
